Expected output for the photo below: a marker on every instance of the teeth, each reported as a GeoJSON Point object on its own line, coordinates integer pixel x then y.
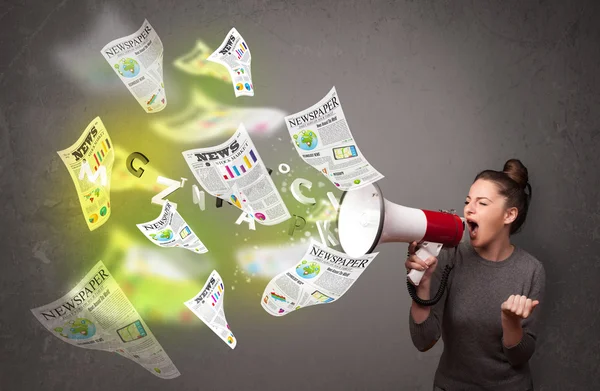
{"type": "Point", "coordinates": [473, 228]}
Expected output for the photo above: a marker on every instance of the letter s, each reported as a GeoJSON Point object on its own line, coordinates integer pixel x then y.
{"type": "Point", "coordinates": [234, 146]}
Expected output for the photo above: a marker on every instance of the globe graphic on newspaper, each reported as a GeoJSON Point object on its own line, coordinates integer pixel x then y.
{"type": "Point", "coordinates": [306, 140]}
{"type": "Point", "coordinates": [128, 67]}
{"type": "Point", "coordinates": [307, 269]}
{"type": "Point", "coordinates": [162, 236]}
{"type": "Point", "coordinates": [79, 328]}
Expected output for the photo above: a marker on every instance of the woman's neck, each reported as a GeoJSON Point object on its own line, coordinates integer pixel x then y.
{"type": "Point", "coordinates": [496, 251]}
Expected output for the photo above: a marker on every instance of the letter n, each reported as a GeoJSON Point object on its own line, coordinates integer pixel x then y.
{"type": "Point", "coordinates": [173, 185]}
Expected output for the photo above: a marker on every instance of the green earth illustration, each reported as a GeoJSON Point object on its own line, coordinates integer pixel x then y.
{"type": "Point", "coordinates": [306, 139]}
{"type": "Point", "coordinates": [79, 328]}
{"type": "Point", "coordinates": [163, 236]}
{"type": "Point", "coordinates": [128, 67]}
{"type": "Point", "coordinates": [307, 269]}
{"type": "Point", "coordinates": [356, 181]}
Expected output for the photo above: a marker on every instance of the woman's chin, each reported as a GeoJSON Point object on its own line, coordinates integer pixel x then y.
{"type": "Point", "coordinates": [475, 241]}
{"type": "Point", "coordinates": [479, 243]}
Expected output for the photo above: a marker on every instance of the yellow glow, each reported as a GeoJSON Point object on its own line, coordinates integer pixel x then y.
{"type": "Point", "coordinates": [124, 180]}
{"type": "Point", "coordinates": [194, 62]}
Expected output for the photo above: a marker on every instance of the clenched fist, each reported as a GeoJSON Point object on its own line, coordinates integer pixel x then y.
{"type": "Point", "coordinates": [517, 306]}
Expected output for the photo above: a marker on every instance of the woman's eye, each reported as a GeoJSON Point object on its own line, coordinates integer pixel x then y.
{"type": "Point", "coordinates": [466, 202]}
{"type": "Point", "coordinates": [482, 203]}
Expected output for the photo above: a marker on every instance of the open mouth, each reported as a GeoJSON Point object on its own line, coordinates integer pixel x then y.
{"type": "Point", "coordinates": [473, 228]}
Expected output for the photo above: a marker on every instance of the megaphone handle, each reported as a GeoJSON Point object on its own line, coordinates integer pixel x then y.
{"type": "Point", "coordinates": [426, 250]}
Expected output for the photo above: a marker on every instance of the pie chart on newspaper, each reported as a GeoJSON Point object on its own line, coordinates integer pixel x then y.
{"type": "Point", "coordinates": [236, 201]}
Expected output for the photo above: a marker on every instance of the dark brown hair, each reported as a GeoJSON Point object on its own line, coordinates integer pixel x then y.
{"type": "Point", "coordinates": [513, 183]}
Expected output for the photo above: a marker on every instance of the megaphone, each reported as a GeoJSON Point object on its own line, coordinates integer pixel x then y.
{"type": "Point", "coordinates": [366, 220]}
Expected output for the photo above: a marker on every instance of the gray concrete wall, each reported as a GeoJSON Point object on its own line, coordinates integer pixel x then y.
{"type": "Point", "coordinates": [434, 92]}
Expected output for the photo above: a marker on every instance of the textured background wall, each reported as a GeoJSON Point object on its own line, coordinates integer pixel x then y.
{"type": "Point", "coordinates": [434, 92]}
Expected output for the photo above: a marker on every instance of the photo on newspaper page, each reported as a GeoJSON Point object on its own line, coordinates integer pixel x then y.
{"type": "Point", "coordinates": [89, 162]}
{"type": "Point", "coordinates": [204, 120]}
{"type": "Point", "coordinates": [322, 276]}
{"type": "Point", "coordinates": [323, 139]}
{"type": "Point", "coordinates": [208, 306]}
{"type": "Point", "coordinates": [169, 229]}
{"type": "Point", "coordinates": [195, 62]}
{"type": "Point", "coordinates": [138, 61]}
{"type": "Point", "coordinates": [234, 172]}
{"type": "Point", "coordinates": [97, 315]}
{"type": "Point", "coordinates": [234, 54]}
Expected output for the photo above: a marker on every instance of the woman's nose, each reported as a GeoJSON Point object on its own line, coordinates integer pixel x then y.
{"type": "Point", "coordinates": [468, 209]}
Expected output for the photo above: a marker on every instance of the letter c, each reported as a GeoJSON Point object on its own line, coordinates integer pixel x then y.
{"type": "Point", "coordinates": [136, 155]}
{"type": "Point", "coordinates": [297, 193]}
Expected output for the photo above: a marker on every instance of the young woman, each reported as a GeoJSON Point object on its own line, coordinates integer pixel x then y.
{"type": "Point", "coordinates": [487, 317]}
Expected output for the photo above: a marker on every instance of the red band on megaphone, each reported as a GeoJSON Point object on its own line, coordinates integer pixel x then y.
{"type": "Point", "coordinates": [444, 228]}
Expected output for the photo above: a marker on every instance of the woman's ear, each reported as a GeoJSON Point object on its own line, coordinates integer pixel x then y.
{"type": "Point", "coordinates": [510, 215]}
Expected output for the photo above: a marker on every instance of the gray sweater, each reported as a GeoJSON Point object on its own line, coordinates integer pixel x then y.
{"type": "Point", "coordinates": [468, 320]}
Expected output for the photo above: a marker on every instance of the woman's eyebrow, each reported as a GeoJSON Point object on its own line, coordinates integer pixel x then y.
{"type": "Point", "coordinates": [480, 198]}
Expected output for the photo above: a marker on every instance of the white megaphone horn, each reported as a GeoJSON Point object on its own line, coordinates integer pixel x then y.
{"type": "Point", "coordinates": [366, 219]}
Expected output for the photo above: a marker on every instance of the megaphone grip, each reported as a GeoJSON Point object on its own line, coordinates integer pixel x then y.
{"type": "Point", "coordinates": [423, 253]}
{"type": "Point", "coordinates": [415, 276]}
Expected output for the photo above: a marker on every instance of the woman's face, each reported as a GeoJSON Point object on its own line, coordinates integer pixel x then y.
{"type": "Point", "coordinates": [486, 213]}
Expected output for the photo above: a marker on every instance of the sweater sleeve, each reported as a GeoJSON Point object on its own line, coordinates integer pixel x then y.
{"type": "Point", "coordinates": [426, 334]}
{"type": "Point", "coordinates": [521, 353]}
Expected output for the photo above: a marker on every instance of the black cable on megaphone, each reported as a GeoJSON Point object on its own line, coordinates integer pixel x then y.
{"type": "Point", "coordinates": [412, 290]}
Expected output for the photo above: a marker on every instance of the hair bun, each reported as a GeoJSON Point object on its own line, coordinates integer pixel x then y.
{"type": "Point", "coordinates": [517, 172]}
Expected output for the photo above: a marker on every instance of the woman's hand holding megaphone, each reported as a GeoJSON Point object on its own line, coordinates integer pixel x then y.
{"type": "Point", "coordinates": [414, 262]}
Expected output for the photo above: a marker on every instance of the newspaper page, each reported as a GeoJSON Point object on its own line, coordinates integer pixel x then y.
{"type": "Point", "coordinates": [234, 54]}
{"type": "Point", "coordinates": [169, 229]}
{"type": "Point", "coordinates": [234, 171]}
{"type": "Point", "coordinates": [208, 306]}
{"type": "Point", "coordinates": [97, 315]}
{"type": "Point", "coordinates": [138, 60]}
{"type": "Point", "coordinates": [322, 276]}
{"type": "Point", "coordinates": [195, 62]}
{"type": "Point", "coordinates": [89, 161]}
{"type": "Point", "coordinates": [205, 119]}
{"type": "Point", "coordinates": [323, 139]}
